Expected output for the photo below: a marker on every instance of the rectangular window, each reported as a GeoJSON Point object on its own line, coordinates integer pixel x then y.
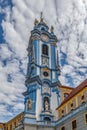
{"type": "Point", "coordinates": [62, 112]}
{"type": "Point", "coordinates": [10, 127]}
{"type": "Point", "coordinates": [63, 128]}
{"type": "Point", "coordinates": [74, 125]}
{"type": "Point", "coordinates": [72, 106]}
{"type": "Point", "coordinates": [14, 124]}
{"type": "Point", "coordinates": [83, 99]}
{"type": "Point", "coordinates": [86, 118]}
{"type": "Point", "coordinates": [66, 95]}
{"type": "Point", "coordinates": [45, 49]}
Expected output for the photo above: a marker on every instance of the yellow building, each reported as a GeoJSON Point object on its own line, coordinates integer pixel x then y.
{"type": "Point", "coordinates": [13, 123]}
{"type": "Point", "coordinates": [65, 91]}
{"type": "Point", "coordinates": [76, 97]}
{"type": "Point", "coordinates": [2, 126]}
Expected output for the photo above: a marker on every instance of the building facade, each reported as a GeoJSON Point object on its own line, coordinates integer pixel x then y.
{"type": "Point", "coordinates": [13, 123]}
{"type": "Point", "coordinates": [72, 112]}
{"type": "Point", "coordinates": [2, 126]}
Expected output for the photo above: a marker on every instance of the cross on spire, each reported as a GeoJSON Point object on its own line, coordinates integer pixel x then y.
{"type": "Point", "coordinates": [41, 16]}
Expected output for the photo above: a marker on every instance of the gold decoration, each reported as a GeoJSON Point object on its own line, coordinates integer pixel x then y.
{"type": "Point", "coordinates": [36, 22]}
{"type": "Point", "coordinates": [42, 20]}
{"type": "Point", "coordinates": [52, 28]}
{"type": "Point", "coordinates": [44, 37]}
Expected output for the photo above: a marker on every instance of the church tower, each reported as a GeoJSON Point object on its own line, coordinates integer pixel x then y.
{"type": "Point", "coordinates": [42, 96]}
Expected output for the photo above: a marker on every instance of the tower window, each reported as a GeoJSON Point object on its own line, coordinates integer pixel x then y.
{"type": "Point", "coordinates": [45, 50]}
{"type": "Point", "coordinates": [63, 128]}
{"type": "Point", "coordinates": [74, 125]}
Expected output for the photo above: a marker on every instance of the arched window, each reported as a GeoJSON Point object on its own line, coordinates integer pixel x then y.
{"type": "Point", "coordinates": [47, 119]}
{"type": "Point", "coordinates": [66, 95]}
{"type": "Point", "coordinates": [45, 49]}
{"type": "Point", "coordinates": [43, 28]}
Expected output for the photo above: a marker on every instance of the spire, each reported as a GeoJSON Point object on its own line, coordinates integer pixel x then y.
{"type": "Point", "coordinates": [41, 16]}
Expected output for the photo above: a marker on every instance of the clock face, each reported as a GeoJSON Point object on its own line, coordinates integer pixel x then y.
{"type": "Point", "coordinates": [44, 37]}
{"type": "Point", "coordinates": [46, 74]}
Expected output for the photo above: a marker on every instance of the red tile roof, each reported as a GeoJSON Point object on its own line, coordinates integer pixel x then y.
{"type": "Point", "coordinates": [74, 92]}
{"type": "Point", "coordinates": [66, 87]}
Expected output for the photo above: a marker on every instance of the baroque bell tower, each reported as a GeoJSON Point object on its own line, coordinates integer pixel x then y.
{"type": "Point", "coordinates": [42, 96]}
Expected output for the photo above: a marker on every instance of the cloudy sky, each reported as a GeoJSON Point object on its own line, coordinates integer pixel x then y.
{"type": "Point", "coordinates": [69, 18]}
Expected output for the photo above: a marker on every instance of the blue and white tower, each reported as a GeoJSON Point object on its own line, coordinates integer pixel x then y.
{"type": "Point", "coordinates": [42, 95]}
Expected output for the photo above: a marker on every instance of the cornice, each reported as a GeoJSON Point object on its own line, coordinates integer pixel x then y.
{"type": "Point", "coordinates": [30, 80]}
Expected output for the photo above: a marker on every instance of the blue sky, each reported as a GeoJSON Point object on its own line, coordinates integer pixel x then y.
{"type": "Point", "coordinates": [69, 18]}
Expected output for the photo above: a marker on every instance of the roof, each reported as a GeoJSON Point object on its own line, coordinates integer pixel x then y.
{"type": "Point", "coordinates": [74, 92]}
{"type": "Point", "coordinates": [67, 87]}
{"type": "Point", "coordinates": [14, 117]}
{"type": "Point", "coordinates": [2, 123]}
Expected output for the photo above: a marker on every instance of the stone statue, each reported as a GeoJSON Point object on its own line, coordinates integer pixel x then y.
{"type": "Point", "coordinates": [29, 104]}
{"type": "Point", "coordinates": [46, 105]}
